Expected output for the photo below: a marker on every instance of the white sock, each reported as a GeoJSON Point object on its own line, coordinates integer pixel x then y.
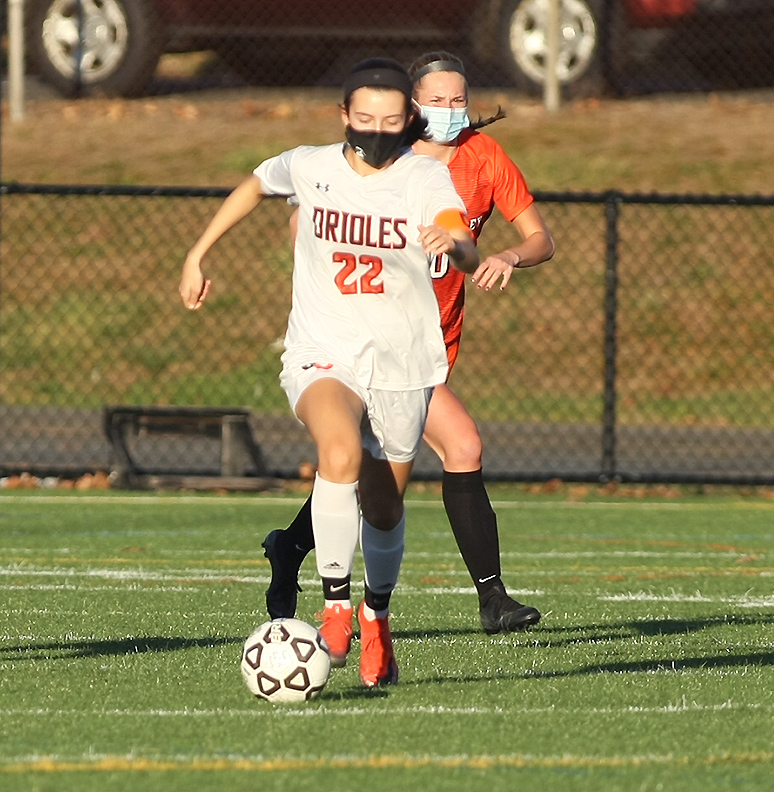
{"type": "Point", "coordinates": [371, 615]}
{"type": "Point", "coordinates": [382, 555]}
{"type": "Point", "coordinates": [346, 604]}
{"type": "Point", "coordinates": [335, 523]}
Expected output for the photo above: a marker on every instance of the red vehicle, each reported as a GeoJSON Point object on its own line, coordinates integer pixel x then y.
{"type": "Point", "coordinates": [113, 46]}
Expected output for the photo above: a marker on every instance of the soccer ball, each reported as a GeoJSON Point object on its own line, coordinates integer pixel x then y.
{"type": "Point", "coordinates": [285, 660]}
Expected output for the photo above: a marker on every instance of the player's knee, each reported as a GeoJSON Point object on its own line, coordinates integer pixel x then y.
{"type": "Point", "coordinates": [382, 506]}
{"type": "Point", "coordinates": [464, 452]}
{"type": "Point", "coordinates": [383, 513]}
{"type": "Point", "coordinates": [339, 462]}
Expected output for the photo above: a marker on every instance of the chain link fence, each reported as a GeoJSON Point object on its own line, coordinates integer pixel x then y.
{"type": "Point", "coordinates": [620, 47]}
{"type": "Point", "coordinates": [643, 352]}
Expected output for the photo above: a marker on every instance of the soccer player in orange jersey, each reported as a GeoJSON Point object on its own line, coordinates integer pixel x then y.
{"type": "Point", "coordinates": [485, 177]}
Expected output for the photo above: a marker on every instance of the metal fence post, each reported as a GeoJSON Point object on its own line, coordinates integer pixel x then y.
{"type": "Point", "coordinates": [612, 210]}
{"type": "Point", "coordinates": [16, 58]}
{"type": "Point", "coordinates": [551, 91]}
{"type": "Point", "coordinates": [81, 51]}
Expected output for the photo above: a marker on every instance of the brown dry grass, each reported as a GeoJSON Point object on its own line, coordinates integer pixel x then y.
{"type": "Point", "coordinates": [701, 143]}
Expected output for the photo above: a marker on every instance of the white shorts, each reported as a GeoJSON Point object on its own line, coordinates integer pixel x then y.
{"type": "Point", "coordinates": [393, 422]}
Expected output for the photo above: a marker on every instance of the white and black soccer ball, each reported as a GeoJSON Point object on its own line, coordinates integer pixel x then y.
{"type": "Point", "coordinates": [285, 660]}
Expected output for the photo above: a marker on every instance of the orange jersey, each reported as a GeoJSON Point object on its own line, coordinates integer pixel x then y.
{"type": "Point", "coordinates": [484, 177]}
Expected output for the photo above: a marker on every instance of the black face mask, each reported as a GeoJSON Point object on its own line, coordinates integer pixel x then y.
{"type": "Point", "coordinates": [375, 148]}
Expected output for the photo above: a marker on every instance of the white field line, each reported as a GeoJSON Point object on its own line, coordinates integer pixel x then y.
{"type": "Point", "coordinates": [138, 589]}
{"type": "Point", "coordinates": [538, 554]}
{"type": "Point", "coordinates": [146, 576]}
{"type": "Point", "coordinates": [261, 711]}
{"type": "Point", "coordinates": [75, 587]}
{"type": "Point", "coordinates": [235, 556]}
{"type": "Point", "coordinates": [174, 576]}
{"type": "Point", "coordinates": [204, 575]}
{"type": "Point", "coordinates": [238, 555]}
{"type": "Point", "coordinates": [186, 579]}
{"type": "Point", "coordinates": [190, 577]}
{"type": "Point", "coordinates": [736, 601]}
{"type": "Point", "coordinates": [739, 601]}
{"type": "Point", "coordinates": [27, 558]}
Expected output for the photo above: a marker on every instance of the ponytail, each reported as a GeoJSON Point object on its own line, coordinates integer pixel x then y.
{"type": "Point", "coordinates": [482, 122]}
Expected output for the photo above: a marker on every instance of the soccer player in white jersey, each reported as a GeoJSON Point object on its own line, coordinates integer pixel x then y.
{"type": "Point", "coordinates": [485, 178]}
{"type": "Point", "coordinates": [363, 348]}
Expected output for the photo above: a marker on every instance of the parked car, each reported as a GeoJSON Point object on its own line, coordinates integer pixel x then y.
{"type": "Point", "coordinates": [113, 46]}
{"type": "Point", "coordinates": [590, 37]}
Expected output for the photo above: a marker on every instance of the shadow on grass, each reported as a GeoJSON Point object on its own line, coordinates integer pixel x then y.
{"type": "Point", "coordinates": [558, 636]}
{"type": "Point", "coordinates": [544, 637]}
{"type": "Point", "coordinates": [684, 626]}
{"type": "Point", "coordinates": [669, 664]}
{"type": "Point", "coordinates": [438, 633]}
{"type": "Point", "coordinates": [360, 693]}
{"type": "Point", "coordinates": [592, 633]}
{"type": "Point", "coordinates": [60, 650]}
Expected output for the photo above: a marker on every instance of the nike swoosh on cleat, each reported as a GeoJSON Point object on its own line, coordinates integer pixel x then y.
{"type": "Point", "coordinates": [484, 580]}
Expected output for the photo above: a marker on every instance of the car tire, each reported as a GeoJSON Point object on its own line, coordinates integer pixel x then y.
{"type": "Point", "coordinates": [588, 44]}
{"type": "Point", "coordinates": [122, 44]}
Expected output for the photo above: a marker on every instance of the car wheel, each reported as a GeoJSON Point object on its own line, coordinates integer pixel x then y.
{"type": "Point", "coordinates": [582, 39]}
{"type": "Point", "coordinates": [94, 46]}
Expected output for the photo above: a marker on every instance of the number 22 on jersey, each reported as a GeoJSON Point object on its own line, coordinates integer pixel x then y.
{"type": "Point", "coordinates": [366, 283]}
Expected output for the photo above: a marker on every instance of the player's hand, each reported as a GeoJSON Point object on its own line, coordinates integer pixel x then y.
{"type": "Point", "coordinates": [435, 240]}
{"type": "Point", "coordinates": [498, 267]}
{"type": "Point", "coordinates": [194, 287]}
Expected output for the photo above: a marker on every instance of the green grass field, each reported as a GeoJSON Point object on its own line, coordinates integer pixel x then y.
{"type": "Point", "coordinates": [123, 619]}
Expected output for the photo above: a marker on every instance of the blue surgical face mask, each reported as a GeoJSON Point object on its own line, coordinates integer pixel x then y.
{"type": "Point", "coordinates": [445, 123]}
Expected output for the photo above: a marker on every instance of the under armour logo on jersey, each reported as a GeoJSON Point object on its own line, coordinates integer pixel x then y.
{"type": "Point", "coordinates": [323, 366]}
{"type": "Point", "coordinates": [322, 187]}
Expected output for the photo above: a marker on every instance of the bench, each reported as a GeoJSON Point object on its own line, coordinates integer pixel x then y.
{"type": "Point", "coordinates": [172, 448]}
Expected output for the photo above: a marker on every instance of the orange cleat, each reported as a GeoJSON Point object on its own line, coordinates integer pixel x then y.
{"type": "Point", "coordinates": [377, 658]}
{"type": "Point", "coordinates": [337, 631]}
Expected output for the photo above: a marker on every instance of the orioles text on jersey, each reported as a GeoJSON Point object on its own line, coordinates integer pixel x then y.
{"type": "Point", "coordinates": [359, 229]}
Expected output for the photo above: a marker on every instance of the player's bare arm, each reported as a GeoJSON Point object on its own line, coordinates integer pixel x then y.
{"type": "Point", "coordinates": [450, 234]}
{"type": "Point", "coordinates": [458, 245]}
{"type": "Point", "coordinates": [537, 246]}
{"type": "Point", "coordinates": [194, 287]}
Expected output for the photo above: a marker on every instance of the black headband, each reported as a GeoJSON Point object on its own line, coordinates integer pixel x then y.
{"type": "Point", "coordinates": [378, 77]}
{"type": "Point", "coordinates": [438, 66]}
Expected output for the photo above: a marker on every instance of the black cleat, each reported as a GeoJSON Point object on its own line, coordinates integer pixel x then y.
{"type": "Point", "coordinates": [282, 594]}
{"type": "Point", "coordinates": [501, 613]}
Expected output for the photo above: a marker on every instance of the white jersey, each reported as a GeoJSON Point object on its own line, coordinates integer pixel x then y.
{"type": "Point", "coordinates": [362, 291]}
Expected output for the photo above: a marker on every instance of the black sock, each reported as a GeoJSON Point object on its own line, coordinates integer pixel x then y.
{"type": "Point", "coordinates": [474, 525]}
{"type": "Point", "coordinates": [299, 534]}
{"type": "Point", "coordinates": [377, 602]}
{"type": "Point", "coordinates": [336, 588]}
